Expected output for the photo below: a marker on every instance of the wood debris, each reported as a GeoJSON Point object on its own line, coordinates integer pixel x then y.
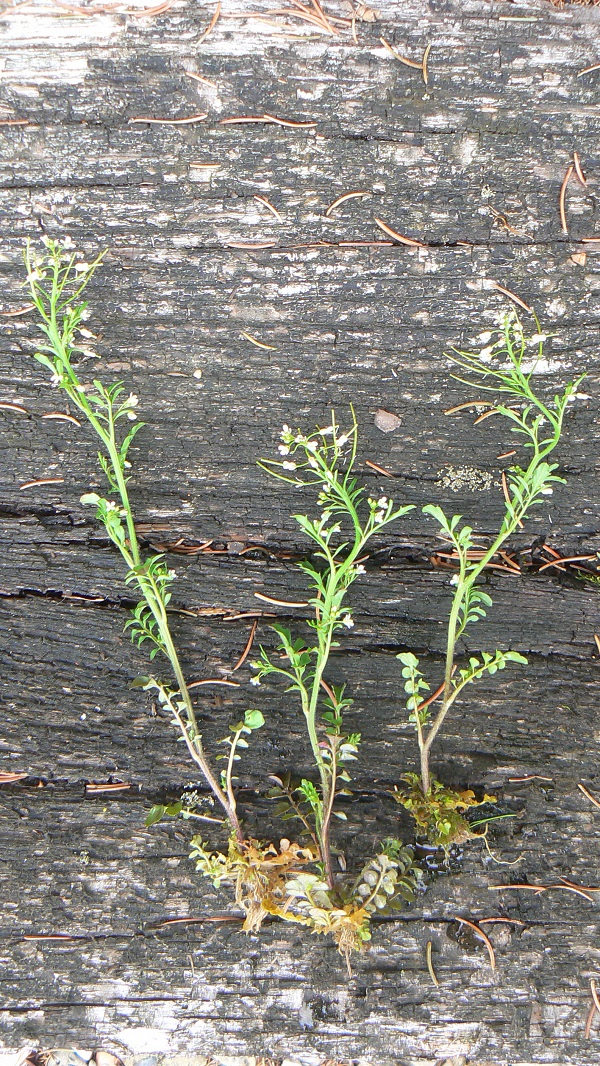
{"type": "Point", "coordinates": [432, 972]}
{"type": "Point", "coordinates": [279, 603]}
{"type": "Point", "coordinates": [511, 296]}
{"type": "Point", "coordinates": [562, 196]}
{"type": "Point", "coordinates": [482, 936]}
{"type": "Point", "coordinates": [201, 78]}
{"type": "Point", "coordinates": [263, 200]}
{"type": "Point", "coordinates": [19, 311]}
{"type": "Point", "coordinates": [212, 24]}
{"type": "Point", "coordinates": [588, 70]}
{"type": "Point", "coordinates": [214, 681]}
{"type": "Point", "coordinates": [59, 416]}
{"type": "Point", "coordinates": [342, 199]}
{"type": "Point", "coordinates": [257, 344]}
{"type": "Point", "coordinates": [578, 170]}
{"type": "Point", "coordinates": [42, 481]}
{"type": "Point", "coordinates": [269, 119]}
{"type": "Point", "coordinates": [410, 241]}
{"type": "Point", "coordinates": [581, 787]}
{"type": "Point", "coordinates": [246, 651]}
{"type": "Point", "coordinates": [377, 468]}
{"type": "Point", "coordinates": [93, 788]}
{"type": "Point", "coordinates": [188, 121]}
{"type": "Point", "coordinates": [7, 405]}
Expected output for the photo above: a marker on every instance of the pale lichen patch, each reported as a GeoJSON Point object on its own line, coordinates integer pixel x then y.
{"type": "Point", "coordinates": [464, 478]}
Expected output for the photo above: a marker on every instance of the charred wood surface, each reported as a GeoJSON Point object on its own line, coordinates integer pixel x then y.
{"type": "Point", "coordinates": [471, 165]}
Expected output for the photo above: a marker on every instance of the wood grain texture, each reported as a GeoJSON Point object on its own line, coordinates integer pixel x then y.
{"type": "Point", "coordinates": [492, 134]}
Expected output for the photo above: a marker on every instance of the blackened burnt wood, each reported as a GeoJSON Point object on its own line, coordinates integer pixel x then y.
{"type": "Point", "coordinates": [471, 165]}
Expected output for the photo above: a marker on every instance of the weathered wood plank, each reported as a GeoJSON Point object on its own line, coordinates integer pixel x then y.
{"type": "Point", "coordinates": [112, 882]}
{"type": "Point", "coordinates": [495, 128]}
{"type": "Point", "coordinates": [79, 720]}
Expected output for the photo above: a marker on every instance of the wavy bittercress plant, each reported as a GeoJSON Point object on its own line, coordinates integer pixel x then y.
{"type": "Point", "coordinates": [57, 280]}
{"type": "Point", "coordinates": [323, 461]}
{"type": "Point", "coordinates": [507, 366]}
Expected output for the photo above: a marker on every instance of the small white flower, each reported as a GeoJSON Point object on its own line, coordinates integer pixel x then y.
{"type": "Point", "coordinates": [382, 501]}
{"type": "Point", "coordinates": [289, 466]}
{"type": "Point", "coordinates": [486, 352]}
{"type": "Point", "coordinates": [255, 681]}
{"type": "Point", "coordinates": [67, 242]}
{"type": "Point", "coordinates": [87, 334]}
{"type": "Point", "coordinates": [80, 268]}
{"type": "Point", "coordinates": [131, 416]}
{"type": "Point", "coordinates": [313, 463]}
{"type": "Point", "coordinates": [283, 449]}
{"type": "Point", "coordinates": [132, 400]}
{"type": "Point", "coordinates": [360, 569]}
{"type": "Point", "coordinates": [486, 337]}
{"type": "Point", "coordinates": [547, 492]}
{"type": "Point", "coordinates": [347, 621]}
{"type": "Point", "coordinates": [311, 445]}
{"type": "Point", "coordinates": [343, 440]}
{"type": "Point", "coordinates": [55, 380]}
{"type": "Point", "coordinates": [454, 579]}
{"type": "Point", "coordinates": [379, 516]}
{"type": "Point", "coordinates": [172, 574]}
{"type": "Point", "coordinates": [285, 430]}
{"type": "Point", "coordinates": [35, 275]}
{"type": "Point", "coordinates": [538, 338]}
{"type": "Point", "coordinates": [327, 432]}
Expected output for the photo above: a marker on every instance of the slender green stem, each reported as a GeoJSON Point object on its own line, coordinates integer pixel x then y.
{"type": "Point", "coordinates": [229, 774]}
{"type": "Point", "coordinates": [519, 385]}
{"type": "Point", "coordinates": [49, 305]}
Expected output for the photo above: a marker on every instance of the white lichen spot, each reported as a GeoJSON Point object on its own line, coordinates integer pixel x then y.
{"type": "Point", "coordinates": [464, 479]}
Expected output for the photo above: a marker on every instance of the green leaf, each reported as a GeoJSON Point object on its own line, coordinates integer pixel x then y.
{"type": "Point", "coordinates": [155, 814]}
{"type": "Point", "coordinates": [254, 719]}
{"type": "Point", "coordinates": [91, 498]}
{"type": "Point", "coordinates": [139, 682]}
{"type": "Point", "coordinates": [408, 660]}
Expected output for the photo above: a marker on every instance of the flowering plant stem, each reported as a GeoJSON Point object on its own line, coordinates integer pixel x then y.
{"type": "Point", "coordinates": [508, 367]}
{"type": "Point", "coordinates": [324, 460]}
{"type": "Point", "coordinates": [56, 281]}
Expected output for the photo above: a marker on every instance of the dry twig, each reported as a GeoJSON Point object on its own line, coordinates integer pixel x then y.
{"type": "Point", "coordinates": [42, 481]}
{"type": "Point", "coordinates": [212, 23]}
{"type": "Point", "coordinates": [379, 469]}
{"type": "Point", "coordinates": [581, 787]}
{"type": "Point", "coordinates": [512, 296]}
{"type": "Point", "coordinates": [279, 603]}
{"type": "Point", "coordinates": [169, 121]}
{"type": "Point", "coordinates": [561, 198]}
{"type": "Point", "coordinates": [263, 200]}
{"type": "Point", "coordinates": [246, 651]}
{"type": "Point", "coordinates": [432, 972]}
{"type": "Point", "coordinates": [342, 199]}
{"type": "Point", "coordinates": [410, 241]}
{"type": "Point", "coordinates": [483, 936]}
